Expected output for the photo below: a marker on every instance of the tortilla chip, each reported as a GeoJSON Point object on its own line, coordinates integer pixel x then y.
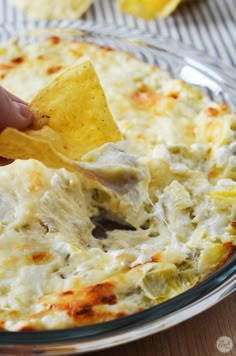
{"type": "Point", "coordinates": [148, 9]}
{"type": "Point", "coordinates": [74, 105]}
{"type": "Point", "coordinates": [19, 145]}
{"type": "Point", "coordinates": [71, 117]}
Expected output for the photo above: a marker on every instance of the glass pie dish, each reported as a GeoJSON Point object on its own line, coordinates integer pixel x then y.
{"type": "Point", "coordinates": [219, 83]}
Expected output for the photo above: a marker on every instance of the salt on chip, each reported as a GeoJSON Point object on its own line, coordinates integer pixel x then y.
{"type": "Point", "coordinates": [71, 117]}
{"type": "Point", "coordinates": [148, 9]}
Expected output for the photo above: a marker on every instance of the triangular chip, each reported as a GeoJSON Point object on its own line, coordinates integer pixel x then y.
{"type": "Point", "coordinates": [71, 117]}
{"type": "Point", "coordinates": [148, 9]}
{"type": "Point", "coordinates": [74, 105]}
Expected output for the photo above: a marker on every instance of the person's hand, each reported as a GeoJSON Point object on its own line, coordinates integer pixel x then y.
{"type": "Point", "coordinates": [14, 112]}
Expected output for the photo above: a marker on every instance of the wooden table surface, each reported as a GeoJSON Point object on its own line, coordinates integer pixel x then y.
{"type": "Point", "coordinates": [194, 337]}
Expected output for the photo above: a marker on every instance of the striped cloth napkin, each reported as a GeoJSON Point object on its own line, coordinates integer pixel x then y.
{"type": "Point", "coordinates": [208, 25]}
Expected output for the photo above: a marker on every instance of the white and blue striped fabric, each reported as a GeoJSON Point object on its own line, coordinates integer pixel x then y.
{"type": "Point", "coordinates": [207, 25]}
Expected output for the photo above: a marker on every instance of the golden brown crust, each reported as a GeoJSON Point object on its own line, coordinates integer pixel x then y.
{"type": "Point", "coordinates": [229, 251]}
{"type": "Point", "coordinates": [53, 69]}
{"type": "Point", "coordinates": [143, 98]}
{"type": "Point", "coordinates": [84, 305]}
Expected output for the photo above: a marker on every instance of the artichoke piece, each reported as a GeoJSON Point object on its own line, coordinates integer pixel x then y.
{"type": "Point", "coordinates": [226, 196]}
{"type": "Point", "coordinates": [165, 281]}
{"type": "Point", "coordinates": [213, 256]}
{"type": "Point", "coordinates": [179, 196]}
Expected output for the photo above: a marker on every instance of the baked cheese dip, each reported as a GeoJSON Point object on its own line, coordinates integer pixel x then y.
{"type": "Point", "coordinates": [75, 253]}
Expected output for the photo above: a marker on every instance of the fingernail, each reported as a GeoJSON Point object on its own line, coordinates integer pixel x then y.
{"type": "Point", "coordinates": [25, 111]}
{"type": "Point", "coordinates": [22, 117]}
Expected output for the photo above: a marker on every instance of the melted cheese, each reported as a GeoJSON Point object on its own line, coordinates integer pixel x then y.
{"type": "Point", "coordinates": [182, 215]}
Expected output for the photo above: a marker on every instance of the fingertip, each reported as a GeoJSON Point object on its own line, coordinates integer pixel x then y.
{"type": "Point", "coordinates": [14, 97]}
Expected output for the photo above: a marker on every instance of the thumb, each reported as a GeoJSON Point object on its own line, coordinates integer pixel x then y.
{"type": "Point", "coordinates": [13, 112]}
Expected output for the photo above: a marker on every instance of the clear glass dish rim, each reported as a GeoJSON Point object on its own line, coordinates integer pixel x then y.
{"type": "Point", "coordinates": [195, 300]}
